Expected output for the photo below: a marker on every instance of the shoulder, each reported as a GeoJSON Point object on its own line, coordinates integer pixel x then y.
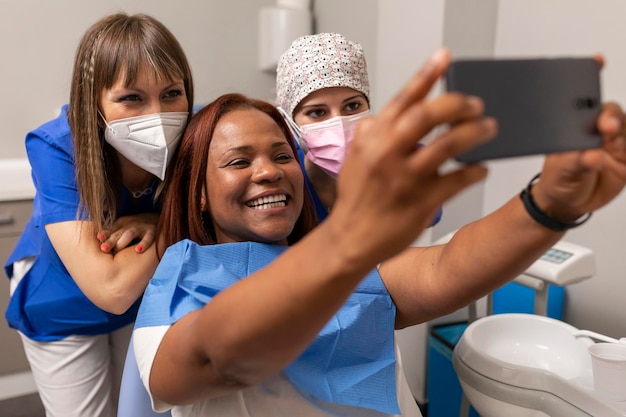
{"type": "Point", "coordinates": [56, 132]}
{"type": "Point", "coordinates": [178, 248]}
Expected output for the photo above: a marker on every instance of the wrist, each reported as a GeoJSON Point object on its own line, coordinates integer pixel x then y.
{"type": "Point", "coordinates": [545, 217]}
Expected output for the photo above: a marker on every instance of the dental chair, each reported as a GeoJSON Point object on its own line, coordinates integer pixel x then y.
{"type": "Point", "coordinates": [134, 400]}
{"type": "Point", "coordinates": [562, 265]}
{"type": "Point", "coordinates": [532, 365]}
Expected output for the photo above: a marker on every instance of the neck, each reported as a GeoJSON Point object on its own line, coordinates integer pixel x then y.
{"type": "Point", "coordinates": [324, 185]}
{"type": "Point", "coordinates": [134, 178]}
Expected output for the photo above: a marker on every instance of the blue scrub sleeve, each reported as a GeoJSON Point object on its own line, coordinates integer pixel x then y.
{"type": "Point", "coordinates": [53, 173]}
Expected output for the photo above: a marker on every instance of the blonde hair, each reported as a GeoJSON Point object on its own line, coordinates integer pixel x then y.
{"type": "Point", "coordinates": [118, 45]}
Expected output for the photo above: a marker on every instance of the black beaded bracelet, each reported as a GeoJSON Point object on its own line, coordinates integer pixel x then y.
{"type": "Point", "coordinates": [542, 218]}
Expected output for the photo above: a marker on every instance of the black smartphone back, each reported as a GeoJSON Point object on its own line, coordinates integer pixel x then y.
{"type": "Point", "coordinates": [542, 105]}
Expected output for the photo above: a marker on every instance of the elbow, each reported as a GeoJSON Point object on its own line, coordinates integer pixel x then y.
{"type": "Point", "coordinates": [238, 372]}
{"type": "Point", "coordinates": [214, 380]}
{"type": "Point", "coordinates": [115, 308]}
{"type": "Point", "coordinates": [233, 379]}
{"type": "Point", "coordinates": [118, 309]}
{"type": "Point", "coordinates": [114, 300]}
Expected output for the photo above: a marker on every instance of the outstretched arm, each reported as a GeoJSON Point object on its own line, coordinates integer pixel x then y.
{"type": "Point", "coordinates": [388, 193]}
{"type": "Point", "coordinates": [482, 256]}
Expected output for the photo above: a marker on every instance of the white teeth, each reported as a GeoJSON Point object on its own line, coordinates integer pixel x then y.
{"type": "Point", "coordinates": [272, 201]}
{"type": "Point", "coordinates": [270, 205]}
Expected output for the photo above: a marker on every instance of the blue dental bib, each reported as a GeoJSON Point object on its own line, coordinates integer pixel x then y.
{"type": "Point", "coordinates": [351, 361]}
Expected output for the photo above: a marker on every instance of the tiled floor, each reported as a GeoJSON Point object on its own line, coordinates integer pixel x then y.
{"type": "Point", "coordinates": [26, 406]}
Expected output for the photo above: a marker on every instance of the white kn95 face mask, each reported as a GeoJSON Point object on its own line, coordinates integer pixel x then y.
{"type": "Point", "coordinates": [148, 141]}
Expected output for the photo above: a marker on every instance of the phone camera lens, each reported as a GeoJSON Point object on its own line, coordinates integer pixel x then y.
{"type": "Point", "coordinates": [585, 103]}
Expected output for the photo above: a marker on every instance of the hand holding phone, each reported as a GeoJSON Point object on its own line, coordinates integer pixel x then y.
{"type": "Point", "coordinates": [542, 106]}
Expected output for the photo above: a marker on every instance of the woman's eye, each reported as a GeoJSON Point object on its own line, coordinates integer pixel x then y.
{"type": "Point", "coordinates": [315, 114]}
{"type": "Point", "coordinates": [130, 97]}
{"type": "Point", "coordinates": [238, 163]}
{"type": "Point", "coordinates": [354, 106]}
{"type": "Point", "coordinates": [173, 94]}
{"type": "Point", "coordinates": [284, 158]}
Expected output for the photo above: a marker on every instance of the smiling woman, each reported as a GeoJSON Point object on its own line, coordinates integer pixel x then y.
{"type": "Point", "coordinates": [254, 311]}
{"type": "Point", "coordinates": [251, 187]}
{"type": "Point", "coordinates": [256, 187]}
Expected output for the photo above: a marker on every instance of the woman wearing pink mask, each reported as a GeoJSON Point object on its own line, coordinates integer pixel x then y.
{"type": "Point", "coordinates": [323, 91]}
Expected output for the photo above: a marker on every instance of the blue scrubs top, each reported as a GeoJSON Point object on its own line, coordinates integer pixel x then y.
{"type": "Point", "coordinates": [47, 304]}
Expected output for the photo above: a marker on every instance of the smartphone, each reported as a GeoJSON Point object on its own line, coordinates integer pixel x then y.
{"type": "Point", "coordinates": [542, 106]}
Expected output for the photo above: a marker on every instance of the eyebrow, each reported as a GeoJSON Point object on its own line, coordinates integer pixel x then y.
{"type": "Point", "coordinates": [247, 148]}
{"type": "Point", "coordinates": [358, 95]}
{"type": "Point", "coordinates": [133, 87]}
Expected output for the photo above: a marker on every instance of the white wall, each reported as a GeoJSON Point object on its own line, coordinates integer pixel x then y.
{"type": "Point", "coordinates": [577, 28]}
{"type": "Point", "coordinates": [38, 40]}
{"type": "Point", "coordinates": [408, 31]}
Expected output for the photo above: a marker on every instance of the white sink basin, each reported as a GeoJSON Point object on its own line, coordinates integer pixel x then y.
{"type": "Point", "coordinates": [15, 180]}
{"type": "Point", "coordinates": [533, 363]}
{"type": "Point", "coordinates": [532, 341]}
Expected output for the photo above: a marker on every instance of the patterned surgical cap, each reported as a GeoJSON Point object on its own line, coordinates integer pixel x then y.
{"type": "Point", "coordinates": [318, 61]}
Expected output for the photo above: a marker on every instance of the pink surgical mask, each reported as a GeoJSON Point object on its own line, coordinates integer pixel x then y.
{"type": "Point", "coordinates": [327, 142]}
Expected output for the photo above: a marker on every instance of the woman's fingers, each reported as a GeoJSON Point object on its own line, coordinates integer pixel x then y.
{"type": "Point", "coordinates": [613, 128]}
{"type": "Point", "coordinates": [388, 179]}
{"type": "Point", "coordinates": [455, 141]}
{"type": "Point", "coordinates": [450, 109]}
{"type": "Point", "coordinates": [129, 229]}
{"type": "Point", "coordinates": [123, 238]}
{"type": "Point", "coordinates": [410, 118]}
{"type": "Point", "coordinates": [117, 240]}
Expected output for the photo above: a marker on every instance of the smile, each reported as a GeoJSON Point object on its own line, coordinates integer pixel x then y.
{"type": "Point", "coordinates": [268, 202]}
